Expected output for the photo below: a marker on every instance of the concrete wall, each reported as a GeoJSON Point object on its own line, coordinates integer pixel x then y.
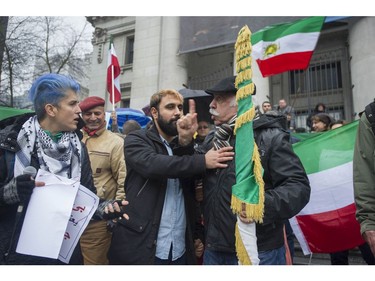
{"type": "Point", "coordinates": [361, 46]}
{"type": "Point", "coordinates": [156, 63]}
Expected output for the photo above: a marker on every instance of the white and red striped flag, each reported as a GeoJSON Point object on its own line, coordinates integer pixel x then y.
{"type": "Point", "coordinates": [327, 223]}
{"type": "Point", "coordinates": [113, 75]}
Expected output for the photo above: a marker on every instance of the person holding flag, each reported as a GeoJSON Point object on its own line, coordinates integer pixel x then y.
{"type": "Point", "coordinates": [287, 188]}
{"type": "Point", "coordinates": [286, 185]}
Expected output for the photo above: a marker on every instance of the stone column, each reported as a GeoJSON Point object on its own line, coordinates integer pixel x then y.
{"type": "Point", "coordinates": [362, 60]}
{"type": "Point", "coordinates": [156, 63]}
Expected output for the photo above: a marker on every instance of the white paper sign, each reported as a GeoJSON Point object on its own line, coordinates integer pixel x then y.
{"type": "Point", "coordinates": [83, 209]}
{"type": "Point", "coordinates": [50, 215]}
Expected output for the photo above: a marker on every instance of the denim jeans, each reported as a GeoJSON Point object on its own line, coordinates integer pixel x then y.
{"type": "Point", "coordinates": [273, 257]}
{"type": "Point", "coordinates": [219, 258]}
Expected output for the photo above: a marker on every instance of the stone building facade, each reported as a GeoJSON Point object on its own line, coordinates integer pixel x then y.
{"type": "Point", "coordinates": [158, 52]}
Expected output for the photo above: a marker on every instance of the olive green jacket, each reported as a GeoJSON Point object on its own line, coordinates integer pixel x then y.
{"type": "Point", "coordinates": [364, 175]}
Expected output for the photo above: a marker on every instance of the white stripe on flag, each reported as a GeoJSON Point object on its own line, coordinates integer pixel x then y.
{"type": "Point", "coordinates": [299, 235]}
{"type": "Point", "coordinates": [249, 240]}
{"type": "Point", "coordinates": [295, 43]}
{"type": "Point", "coordinates": [330, 189]}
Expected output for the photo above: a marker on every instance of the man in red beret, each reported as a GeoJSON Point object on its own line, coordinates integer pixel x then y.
{"type": "Point", "coordinates": [106, 151]}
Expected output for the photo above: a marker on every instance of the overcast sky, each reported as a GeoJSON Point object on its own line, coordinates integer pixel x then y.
{"type": "Point", "coordinates": [190, 8]}
{"type": "Point", "coordinates": [79, 23]}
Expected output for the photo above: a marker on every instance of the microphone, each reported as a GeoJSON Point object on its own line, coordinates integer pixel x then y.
{"type": "Point", "coordinates": [29, 170]}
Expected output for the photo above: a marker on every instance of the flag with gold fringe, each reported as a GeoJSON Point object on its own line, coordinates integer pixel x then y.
{"type": "Point", "coordinates": [248, 192]}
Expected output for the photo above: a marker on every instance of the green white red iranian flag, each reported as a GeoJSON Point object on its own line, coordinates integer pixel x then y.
{"type": "Point", "coordinates": [285, 47]}
{"type": "Point", "coordinates": [327, 223]}
{"type": "Point", "coordinates": [248, 192]}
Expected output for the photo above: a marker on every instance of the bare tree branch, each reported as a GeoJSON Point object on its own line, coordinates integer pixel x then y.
{"type": "Point", "coordinates": [38, 45]}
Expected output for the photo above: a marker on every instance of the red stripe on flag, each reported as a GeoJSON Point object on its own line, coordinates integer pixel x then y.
{"type": "Point", "coordinates": [113, 66]}
{"type": "Point", "coordinates": [331, 231]}
{"type": "Point", "coordinates": [284, 62]}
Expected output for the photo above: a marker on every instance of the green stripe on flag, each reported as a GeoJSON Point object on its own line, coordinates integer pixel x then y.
{"type": "Point", "coordinates": [273, 32]}
{"type": "Point", "coordinates": [243, 139]}
{"type": "Point", "coordinates": [328, 150]}
{"type": "Point", "coordinates": [245, 190]}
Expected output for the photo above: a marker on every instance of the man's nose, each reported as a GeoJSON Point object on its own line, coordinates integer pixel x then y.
{"type": "Point", "coordinates": [92, 116]}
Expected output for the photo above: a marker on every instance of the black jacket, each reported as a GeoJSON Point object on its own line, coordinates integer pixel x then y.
{"type": "Point", "coordinates": [287, 188]}
{"type": "Point", "coordinates": [9, 129]}
{"type": "Point", "coordinates": [148, 168]}
{"type": "Point", "coordinates": [219, 220]}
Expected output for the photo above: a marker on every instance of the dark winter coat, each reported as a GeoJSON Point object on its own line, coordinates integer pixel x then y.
{"type": "Point", "coordinates": [219, 220]}
{"type": "Point", "coordinates": [148, 168]}
{"type": "Point", "coordinates": [287, 188]}
{"type": "Point", "coordinates": [9, 129]}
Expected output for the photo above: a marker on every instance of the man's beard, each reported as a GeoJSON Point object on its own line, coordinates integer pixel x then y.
{"type": "Point", "coordinates": [168, 127]}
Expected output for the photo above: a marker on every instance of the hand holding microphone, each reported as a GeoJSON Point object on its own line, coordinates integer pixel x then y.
{"type": "Point", "coordinates": [20, 188]}
{"type": "Point", "coordinates": [26, 184]}
{"type": "Point", "coordinates": [31, 171]}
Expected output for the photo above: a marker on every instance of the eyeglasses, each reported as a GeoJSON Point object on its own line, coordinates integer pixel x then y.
{"type": "Point", "coordinates": [202, 127]}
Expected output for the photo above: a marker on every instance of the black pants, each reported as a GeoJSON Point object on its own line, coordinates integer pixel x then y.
{"type": "Point", "coordinates": [342, 257]}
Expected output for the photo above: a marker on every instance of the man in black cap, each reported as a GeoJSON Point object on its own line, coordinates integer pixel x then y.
{"type": "Point", "coordinates": [287, 188]}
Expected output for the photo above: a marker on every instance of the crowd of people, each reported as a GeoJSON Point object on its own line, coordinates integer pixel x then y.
{"type": "Point", "coordinates": [165, 190]}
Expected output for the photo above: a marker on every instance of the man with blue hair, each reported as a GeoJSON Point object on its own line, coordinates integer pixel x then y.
{"type": "Point", "coordinates": [47, 140]}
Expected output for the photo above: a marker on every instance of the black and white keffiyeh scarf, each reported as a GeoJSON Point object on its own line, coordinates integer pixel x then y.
{"type": "Point", "coordinates": [62, 158]}
{"type": "Point", "coordinates": [223, 133]}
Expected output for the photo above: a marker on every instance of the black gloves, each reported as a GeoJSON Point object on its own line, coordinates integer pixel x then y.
{"type": "Point", "coordinates": [101, 215]}
{"type": "Point", "coordinates": [18, 190]}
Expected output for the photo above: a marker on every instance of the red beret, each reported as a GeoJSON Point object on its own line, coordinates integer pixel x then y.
{"type": "Point", "coordinates": [91, 102]}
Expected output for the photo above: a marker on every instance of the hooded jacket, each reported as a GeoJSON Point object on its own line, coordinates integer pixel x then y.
{"type": "Point", "coordinates": [287, 188]}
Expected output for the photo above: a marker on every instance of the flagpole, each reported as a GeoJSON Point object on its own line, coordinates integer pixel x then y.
{"type": "Point", "coordinates": [307, 72]}
{"type": "Point", "coordinates": [113, 87]}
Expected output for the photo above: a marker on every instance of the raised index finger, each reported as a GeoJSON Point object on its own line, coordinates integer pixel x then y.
{"type": "Point", "coordinates": [191, 106]}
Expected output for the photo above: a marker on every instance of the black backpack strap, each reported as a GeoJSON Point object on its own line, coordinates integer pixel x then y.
{"type": "Point", "coordinates": [370, 114]}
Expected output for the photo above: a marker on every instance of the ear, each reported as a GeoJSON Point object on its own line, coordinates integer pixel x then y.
{"type": "Point", "coordinates": [154, 113]}
{"type": "Point", "coordinates": [50, 110]}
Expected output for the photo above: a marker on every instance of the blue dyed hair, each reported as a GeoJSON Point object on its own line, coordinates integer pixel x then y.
{"type": "Point", "coordinates": [50, 89]}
